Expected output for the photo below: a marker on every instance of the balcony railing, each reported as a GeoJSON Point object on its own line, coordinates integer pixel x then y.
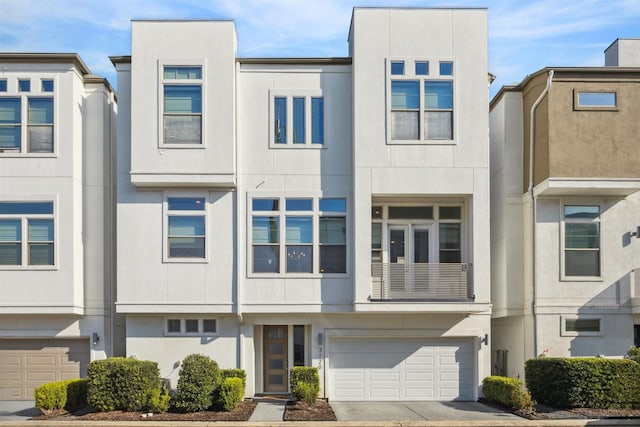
{"type": "Point", "coordinates": [422, 282]}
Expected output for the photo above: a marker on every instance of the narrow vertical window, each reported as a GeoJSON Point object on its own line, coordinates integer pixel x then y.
{"type": "Point", "coordinates": [582, 241]}
{"type": "Point", "coordinates": [405, 105]}
{"type": "Point", "coordinates": [40, 127]}
{"type": "Point", "coordinates": [3, 85]}
{"type": "Point", "coordinates": [298, 120]}
{"type": "Point", "coordinates": [186, 227]}
{"type": "Point", "coordinates": [10, 125]}
{"type": "Point", "coordinates": [182, 106]}
{"type": "Point", "coordinates": [266, 239]}
{"type": "Point", "coordinates": [317, 120]}
{"type": "Point", "coordinates": [280, 118]}
{"type": "Point", "coordinates": [333, 235]}
{"type": "Point", "coordinates": [299, 244]}
{"type": "Point", "coordinates": [10, 242]}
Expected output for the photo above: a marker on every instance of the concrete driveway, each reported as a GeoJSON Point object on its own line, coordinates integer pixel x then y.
{"type": "Point", "coordinates": [417, 411]}
{"type": "Point", "coordinates": [17, 410]}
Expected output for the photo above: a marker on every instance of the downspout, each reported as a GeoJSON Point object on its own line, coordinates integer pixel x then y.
{"type": "Point", "coordinates": [532, 117]}
{"type": "Point", "coordinates": [241, 332]}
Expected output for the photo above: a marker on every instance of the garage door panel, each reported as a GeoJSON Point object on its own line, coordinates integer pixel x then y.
{"type": "Point", "coordinates": [401, 369]}
{"type": "Point", "coordinates": [27, 363]}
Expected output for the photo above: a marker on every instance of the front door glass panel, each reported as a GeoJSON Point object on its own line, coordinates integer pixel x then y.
{"type": "Point", "coordinates": [275, 358]}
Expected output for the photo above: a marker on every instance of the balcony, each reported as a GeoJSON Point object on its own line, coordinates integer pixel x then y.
{"type": "Point", "coordinates": [422, 282]}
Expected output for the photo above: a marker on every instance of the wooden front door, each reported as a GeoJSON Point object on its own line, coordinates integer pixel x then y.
{"type": "Point", "coordinates": [275, 359]}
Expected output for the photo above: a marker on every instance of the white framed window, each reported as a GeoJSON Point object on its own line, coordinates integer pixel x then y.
{"type": "Point", "coordinates": [421, 101]}
{"type": "Point", "coordinates": [27, 236]}
{"type": "Point", "coordinates": [417, 234]}
{"type": "Point", "coordinates": [296, 119]}
{"type": "Point", "coordinates": [182, 104]}
{"type": "Point", "coordinates": [27, 125]}
{"type": "Point", "coordinates": [185, 230]}
{"type": "Point", "coordinates": [298, 234]}
{"type": "Point", "coordinates": [595, 100]}
{"type": "Point", "coordinates": [580, 326]}
{"type": "Point", "coordinates": [581, 257]}
{"type": "Point", "coordinates": [190, 326]}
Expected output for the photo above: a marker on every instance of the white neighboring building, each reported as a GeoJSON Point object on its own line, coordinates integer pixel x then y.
{"type": "Point", "coordinates": [328, 212]}
{"type": "Point", "coordinates": [564, 245]}
{"type": "Point", "coordinates": [57, 130]}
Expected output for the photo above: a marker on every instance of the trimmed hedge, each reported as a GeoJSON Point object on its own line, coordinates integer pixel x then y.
{"type": "Point", "coordinates": [68, 394]}
{"type": "Point", "coordinates": [506, 391]}
{"type": "Point", "coordinates": [231, 393]}
{"type": "Point", "coordinates": [584, 382]}
{"type": "Point", "coordinates": [234, 373]}
{"type": "Point", "coordinates": [199, 379]}
{"type": "Point", "coordinates": [123, 384]}
{"type": "Point", "coordinates": [305, 383]}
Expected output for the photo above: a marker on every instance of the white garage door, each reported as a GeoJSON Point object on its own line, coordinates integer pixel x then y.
{"type": "Point", "coordinates": [401, 369]}
{"type": "Point", "coordinates": [26, 364]}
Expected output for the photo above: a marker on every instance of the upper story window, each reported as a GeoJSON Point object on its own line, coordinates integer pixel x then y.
{"type": "Point", "coordinates": [397, 68]}
{"type": "Point", "coordinates": [24, 85]}
{"type": "Point", "coordinates": [421, 104]}
{"type": "Point", "coordinates": [581, 241]}
{"type": "Point", "coordinates": [26, 124]}
{"type": "Point", "coordinates": [583, 325]}
{"type": "Point", "coordinates": [186, 229]}
{"type": "Point", "coordinates": [303, 235]}
{"type": "Point", "coordinates": [297, 119]}
{"type": "Point", "coordinates": [26, 234]}
{"type": "Point", "coordinates": [47, 85]}
{"type": "Point", "coordinates": [182, 109]}
{"type": "Point", "coordinates": [3, 85]}
{"type": "Point", "coordinates": [190, 326]}
{"type": "Point", "coordinates": [584, 100]}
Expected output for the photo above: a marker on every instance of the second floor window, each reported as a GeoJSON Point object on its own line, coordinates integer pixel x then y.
{"type": "Point", "coordinates": [581, 241]}
{"type": "Point", "coordinates": [297, 120]}
{"type": "Point", "coordinates": [26, 124]}
{"type": "Point", "coordinates": [182, 105]}
{"type": "Point", "coordinates": [186, 237]}
{"type": "Point", "coordinates": [26, 234]}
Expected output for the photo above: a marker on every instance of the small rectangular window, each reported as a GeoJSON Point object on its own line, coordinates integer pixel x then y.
{"type": "Point", "coordinates": [582, 325]}
{"type": "Point", "coordinates": [446, 68]}
{"type": "Point", "coordinates": [186, 227]}
{"type": "Point", "coordinates": [376, 212]}
{"type": "Point", "coordinates": [47, 85]}
{"type": "Point", "coordinates": [299, 204]}
{"type": "Point", "coordinates": [264, 204]}
{"type": "Point", "coordinates": [209, 326]}
{"type": "Point", "coordinates": [410, 212]}
{"type": "Point", "coordinates": [397, 68]}
{"type": "Point", "coordinates": [597, 99]}
{"type": "Point", "coordinates": [173, 326]}
{"type": "Point", "coordinates": [450, 212]}
{"type": "Point", "coordinates": [333, 204]}
{"type": "Point", "coordinates": [3, 85]}
{"type": "Point", "coordinates": [26, 208]}
{"type": "Point", "coordinates": [191, 326]}
{"type": "Point", "coordinates": [24, 85]}
{"type": "Point", "coordinates": [182, 73]}
{"type": "Point", "coordinates": [422, 68]}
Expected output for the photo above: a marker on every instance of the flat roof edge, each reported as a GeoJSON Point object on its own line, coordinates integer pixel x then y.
{"type": "Point", "coordinates": [42, 58]}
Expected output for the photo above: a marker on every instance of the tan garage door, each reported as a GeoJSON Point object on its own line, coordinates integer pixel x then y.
{"type": "Point", "coordinates": [26, 364]}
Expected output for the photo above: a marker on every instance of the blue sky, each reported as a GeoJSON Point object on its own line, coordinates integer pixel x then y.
{"type": "Point", "coordinates": [524, 36]}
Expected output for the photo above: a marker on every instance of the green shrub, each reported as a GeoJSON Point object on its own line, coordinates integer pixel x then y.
{"type": "Point", "coordinates": [76, 393]}
{"type": "Point", "coordinates": [68, 394]}
{"type": "Point", "coordinates": [307, 375]}
{"type": "Point", "coordinates": [234, 373]}
{"type": "Point", "coordinates": [584, 382]}
{"type": "Point", "coordinates": [121, 383]}
{"type": "Point", "coordinates": [158, 400]}
{"type": "Point", "coordinates": [306, 392]}
{"type": "Point", "coordinates": [51, 396]}
{"type": "Point", "coordinates": [633, 354]}
{"type": "Point", "coordinates": [231, 393]}
{"type": "Point", "coordinates": [506, 391]}
{"type": "Point", "coordinates": [199, 378]}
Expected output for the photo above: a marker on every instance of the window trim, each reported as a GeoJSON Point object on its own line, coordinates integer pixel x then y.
{"type": "Point", "coordinates": [166, 213]}
{"type": "Point", "coordinates": [184, 333]}
{"type": "Point", "coordinates": [289, 95]}
{"type": "Point", "coordinates": [282, 214]}
{"type": "Point", "coordinates": [578, 107]}
{"type": "Point", "coordinates": [565, 333]}
{"type": "Point", "coordinates": [24, 218]}
{"type": "Point", "coordinates": [36, 92]}
{"type": "Point", "coordinates": [563, 276]}
{"type": "Point", "coordinates": [202, 82]}
{"type": "Point", "coordinates": [410, 75]}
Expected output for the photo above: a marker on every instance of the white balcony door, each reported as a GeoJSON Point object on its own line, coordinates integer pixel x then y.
{"type": "Point", "coordinates": [410, 247]}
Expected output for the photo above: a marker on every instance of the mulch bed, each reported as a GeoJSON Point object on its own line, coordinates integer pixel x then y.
{"type": "Point", "coordinates": [300, 411]}
{"type": "Point", "coordinates": [241, 413]}
{"type": "Point", "coordinates": [543, 412]}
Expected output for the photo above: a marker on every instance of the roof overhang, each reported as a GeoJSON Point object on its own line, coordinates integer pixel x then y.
{"type": "Point", "coordinates": [619, 187]}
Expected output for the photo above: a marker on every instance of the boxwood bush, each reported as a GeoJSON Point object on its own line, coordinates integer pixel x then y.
{"type": "Point", "coordinates": [506, 391]}
{"type": "Point", "coordinates": [199, 378]}
{"type": "Point", "coordinates": [234, 373]}
{"type": "Point", "coordinates": [123, 384]}
{"type": "Point", "coordinates": [305, 383]}
{"type": "Point", "coordinates": [68, 394]}
{"type": "Point", "coordinates": [231, 392]}
{"type": "Point", "coordinates": [584, 382]}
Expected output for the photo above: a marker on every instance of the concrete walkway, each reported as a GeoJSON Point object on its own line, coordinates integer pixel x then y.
{"type": "Point", "coordinates": [269, 409]}
{"type": "Point", "coordinates": [17, 410]}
